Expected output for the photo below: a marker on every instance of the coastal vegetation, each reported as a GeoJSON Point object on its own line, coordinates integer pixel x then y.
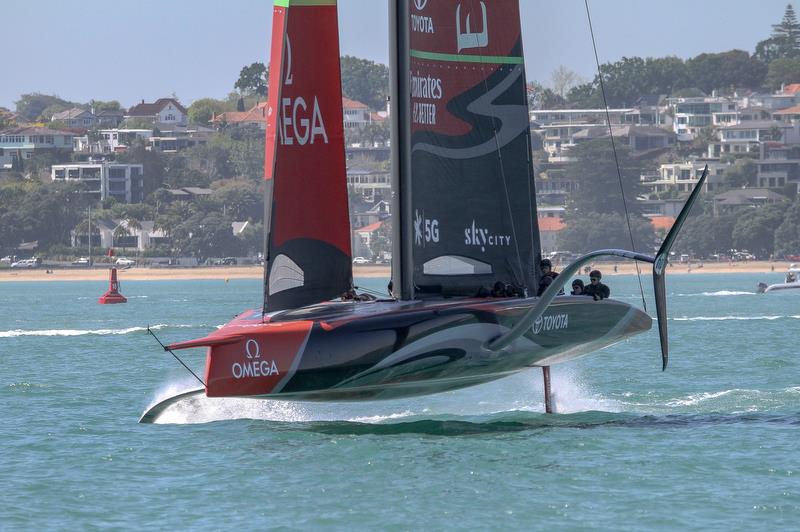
{"type": "Point", "coordinates": [32, 208]}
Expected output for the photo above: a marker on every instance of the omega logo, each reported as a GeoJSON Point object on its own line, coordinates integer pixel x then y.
{"type": "Point", "coordinates": [253, 349]}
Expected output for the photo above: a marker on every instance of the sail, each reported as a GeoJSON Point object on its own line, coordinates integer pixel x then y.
{"type": "Point", "coordinates": [466, 202]}
{"type": "Point", "coordinates": [307, 223]}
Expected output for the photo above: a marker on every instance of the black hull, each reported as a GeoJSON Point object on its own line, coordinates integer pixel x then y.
{"type": "Point", "coordinates": [391, 349]}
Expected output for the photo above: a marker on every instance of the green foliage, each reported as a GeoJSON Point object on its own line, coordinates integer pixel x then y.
{"type": "Point", "coordinates": [365, 81]}
{"type": "Point", "coordinates": [253, 79]}
{"type": "Point", "coordinates": [31, 106]}
{"type": "Point", "coordinates": [735, 68]}
{"type": "Point", "coordinates": [595, 169]}
{"type": "Point", "coordinates": [100, 105]}
{"type": "Point", "coordinates": [755, 229]}
{"type": "Point", "coordinates": [242, 199]}
{"type": "Point", "coordinates": [704, 235]}
{"type": "Point", "coordinates": [787, 235]}
{"type": "Point", "coordinates": [783, 70]}
{"type": "Point", "coordinates": [21, 212]}
{"type": "Point", "coordinates": [585, 232]}
{"type": "Point", "coordinates": [201, 111]}
{"type": "Point", "coordinates": [376, 132]}
{"type": "Point", "coordinates": [540, 97]}
{"type": "Point", "coordinates": [789, 29]}
{"type": "Point", "coordinates": [205, 235]}
{"type": "Point", "coordinates": [153, 164]}
{"type": "Point", "coordinates": [743, 173]}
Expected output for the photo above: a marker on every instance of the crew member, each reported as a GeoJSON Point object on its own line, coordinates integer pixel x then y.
{"type": "Point", "coordinates": [548, 275]}
{"type": "Point", "coordinates": [577, 288]}
{"type": "Point", "coordinates": [596, 289]}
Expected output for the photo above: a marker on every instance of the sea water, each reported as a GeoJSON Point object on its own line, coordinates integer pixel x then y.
{"type": "Point", "coordinates": [712, 443]}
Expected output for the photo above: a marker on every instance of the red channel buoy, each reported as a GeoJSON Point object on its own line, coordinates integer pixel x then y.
{"type": "Point", "coordinates": [112, 295]}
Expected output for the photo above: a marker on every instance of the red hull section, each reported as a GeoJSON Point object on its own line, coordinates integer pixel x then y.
{"type": "Point", "coordinates": [112, 295]}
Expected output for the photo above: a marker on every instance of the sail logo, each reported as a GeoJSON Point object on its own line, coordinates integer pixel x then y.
{"type": "Point", "coordinates": [254, 366]}
{"type": "Point", "coordinates": [469, 39]}
{"type": "Point", "coordinates": [426, 230]}
{"type": "Point", "coordinates": [426, 87]}
{"type": "Point", "coordinates": [300, 123]}
{"type": "Point", "coordinates": [483, 238]}
{"type": "Point", "coordinates": [555, 322]}
{"type": "Point", "coordinates": [422, 24]}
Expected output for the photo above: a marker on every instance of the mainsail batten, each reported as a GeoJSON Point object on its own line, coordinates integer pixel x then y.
{"type": "Point", "coordinates": [308, 229]}
{"type": "Point", "coordinates": [468, 215]}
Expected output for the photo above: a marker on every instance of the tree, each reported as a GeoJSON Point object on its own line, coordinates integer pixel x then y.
{"type": "Point", "coordinates": [587, 232]}
{"type": "Point", "coordinates": [783, 70]}
{"type": "Point", "coordinates": [742, 173]}
{"type": "Point", "coordinates": [540, 97]}
{"type": "Point", "coordinates": [735, 68]}
{"type": "Point", "coordinates": [783, 42]}
{"type": "Point", "coordinates": [704, 234]}
{"type": "Point", "coordinates": [100, 105]}
{"type": "Point", "coordinates": [201, 111]}
{"type": "Point", "coordinates": [31, 106]}
{"type": "Point", "coordinates": [787, 235]}
{"type": "Point", "coordinates": [755, 229]}
{"type": "Point", "coordinates": [594, 169]}
{"type": "Point", "coordinates": [152, 162]}
{"type": "Point", "coordinates": [365, 81]}
{"type": "Point", "coordinates": [242, 199]}
{"type": "Point", "coordinates": [564, 79]}
{"type": "Point", "coordinates": [253, 79]}
{"type": "Point", "coordinates": [788, 30]}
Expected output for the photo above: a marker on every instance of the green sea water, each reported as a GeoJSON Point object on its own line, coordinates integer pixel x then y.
{"type": "Point", "coordinates": [711, 444]}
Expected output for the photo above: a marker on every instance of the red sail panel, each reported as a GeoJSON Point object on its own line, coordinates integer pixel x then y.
{"type": "Point", "coordinates": [309, 257]}
{"type": "Point", "coordinates": [472, 206]}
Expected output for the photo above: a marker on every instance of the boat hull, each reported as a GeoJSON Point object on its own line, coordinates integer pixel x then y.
{"type": "Point", "coordinates": [782, 287]}
{"type": "Point", "coordinates": [356, 351]}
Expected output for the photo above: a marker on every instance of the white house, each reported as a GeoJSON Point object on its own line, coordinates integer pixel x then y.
{"type": "Point", "coordinates": [23, 142]}
{"type": "Point", "coordinates": [103, 180]}
{"type": "Point", "coordinates": [683, 176]}
{"type": "Point", "coordinates": [695, 113]}
{"type": "Point", "coordinates": [356, 114]}
{"type": "Point", "coordinates": [163, 111]}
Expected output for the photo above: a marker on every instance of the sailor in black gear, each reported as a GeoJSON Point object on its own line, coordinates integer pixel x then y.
{"type": "Point", "coordinates": [548, 276]}
{"type": "Point", "coordinates": [577, 288]}
{"type": "Point", "coordinates": [596, 289]}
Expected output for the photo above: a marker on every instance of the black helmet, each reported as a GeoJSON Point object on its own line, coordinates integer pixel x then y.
{"type": "Point", "coordinates": [546, 262]}
{"type": "Point", "coordinates": [595, 273]}
{"type": "Point", "coordinates": [577, 282]}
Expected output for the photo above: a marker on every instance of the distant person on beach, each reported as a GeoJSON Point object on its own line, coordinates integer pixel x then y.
{"type": "Point", "coordinates": [577, 288]}
{"type": "Point", "coordinates": [548, 276]}
{"type": "Point", "coordinates": [596, 289]}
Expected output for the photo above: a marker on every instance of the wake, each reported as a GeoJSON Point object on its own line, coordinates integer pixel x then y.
{"type": "Point", "coordinates": [521, 393]}
{"type": "Point", "coordinates": [89, 332]}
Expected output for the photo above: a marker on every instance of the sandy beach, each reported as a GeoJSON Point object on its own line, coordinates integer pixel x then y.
{"type": "Point", "coordinates": [256, 272]}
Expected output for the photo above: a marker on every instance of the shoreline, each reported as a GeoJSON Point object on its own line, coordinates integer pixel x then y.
{"type": "Point", "coordinates": [256, 272]}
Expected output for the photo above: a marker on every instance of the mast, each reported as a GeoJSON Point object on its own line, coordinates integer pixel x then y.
{"type": "Point", "coordinates": [402, 241]}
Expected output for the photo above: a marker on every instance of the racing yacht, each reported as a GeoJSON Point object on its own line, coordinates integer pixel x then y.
{"type": "Point", "coordinates": [464, 223]}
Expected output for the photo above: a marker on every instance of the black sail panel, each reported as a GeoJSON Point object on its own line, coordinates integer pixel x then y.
{"type": "Point", "coordinates": [472, 208]}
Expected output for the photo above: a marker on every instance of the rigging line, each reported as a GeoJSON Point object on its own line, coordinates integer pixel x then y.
{"type": "Point", "coordinates": [522, 279]}
{"type": "Point", "coordinates": [149, 330]}
{"type": "Point", "coordinates": [614, 149]}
